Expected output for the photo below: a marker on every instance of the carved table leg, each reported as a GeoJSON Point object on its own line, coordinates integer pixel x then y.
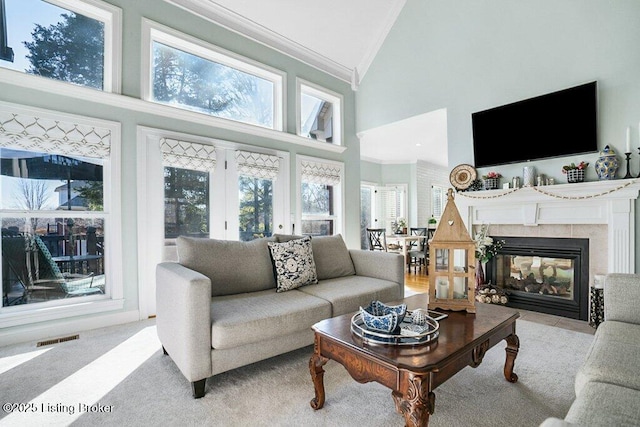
{"type": "Point", "coordinates": [418, 403]}
{"type": "Point", "coordinates": [513, 344]}
{"type": "Point", "coordinates": [317, 375]}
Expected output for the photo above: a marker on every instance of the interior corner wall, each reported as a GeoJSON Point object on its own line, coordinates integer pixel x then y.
{"type": "Point", "coordinates": [472, 55]}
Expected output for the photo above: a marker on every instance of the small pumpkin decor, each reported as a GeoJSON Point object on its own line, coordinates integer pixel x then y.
{"type": "Point", "coordinates": [452, 263]}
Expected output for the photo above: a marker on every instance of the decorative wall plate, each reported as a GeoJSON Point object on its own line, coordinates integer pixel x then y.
{"type": "Point", "coordinates": [462, 176]}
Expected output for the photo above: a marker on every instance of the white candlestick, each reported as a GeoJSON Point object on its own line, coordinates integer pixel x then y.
{"type": "Point", "coordinates": [628, 139]}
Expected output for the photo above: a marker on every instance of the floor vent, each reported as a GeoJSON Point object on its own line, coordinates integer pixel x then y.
{"type": "Point", "coordinates": [58, 340]}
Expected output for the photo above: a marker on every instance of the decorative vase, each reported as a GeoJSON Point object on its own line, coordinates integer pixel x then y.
{"type": "Point", "coordinates": [529, 176]}
{"type": "Point", "coordinates": [607, 164]}
{"type": "Point", "coordinates": [491, 183]}
{"type": "Point", "coordinates": [479, 274]}
{"type": "Point", "coordinates": [575, 175]}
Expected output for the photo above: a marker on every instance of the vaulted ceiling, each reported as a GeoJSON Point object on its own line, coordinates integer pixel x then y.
{"type": "Point", "coordinates": [341, 38]}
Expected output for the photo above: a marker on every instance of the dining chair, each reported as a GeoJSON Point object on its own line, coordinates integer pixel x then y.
{"type": "Point", "coordinates": [417, 254]}
{"type": "Point", "coordinates": [377, 239]}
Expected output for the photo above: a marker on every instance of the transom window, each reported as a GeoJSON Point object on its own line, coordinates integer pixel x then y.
{"type": "Point", "coordinates": [188, 73]}
{"type": "Point", "coordinates": [319, 113]}
{"type": "Point", "coordinates": [75, 41]}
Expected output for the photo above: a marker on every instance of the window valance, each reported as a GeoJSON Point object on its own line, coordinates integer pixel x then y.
{"type": "Point", "coordinates": [45, 135]}
{"type": "Point", "coordinates": [321, 173]}
{"type": "Point", "coordinates": [257, 165]}
{"type": "Point", "coordinates": [188, 155]}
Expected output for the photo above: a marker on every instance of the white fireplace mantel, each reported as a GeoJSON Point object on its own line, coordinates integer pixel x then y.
{"type": "Point", "coordinates": [610, 203]}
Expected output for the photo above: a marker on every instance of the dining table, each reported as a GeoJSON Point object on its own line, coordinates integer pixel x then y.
{"type": "Point", "coordinates": [403, 241]}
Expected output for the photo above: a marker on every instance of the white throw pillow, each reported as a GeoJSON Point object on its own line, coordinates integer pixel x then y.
{"type": "Point", "coordinates": [293, 263]}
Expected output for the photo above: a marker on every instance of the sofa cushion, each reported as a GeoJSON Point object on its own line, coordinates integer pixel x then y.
{"type": "Point", "coordinates": [233, 267]}
{"type": "Point", "coordinates": [293, 264]}
{"type": "Point", "coordinates": [247, 318]}
{"type": "Point", "coordinates": [601, 404]}
{"type": "Point", "coordinates": [332, 257]}
{"type": "Point", "coordinates": [347, 294]}
{"type": "Point", "coordinates": [612, 357]}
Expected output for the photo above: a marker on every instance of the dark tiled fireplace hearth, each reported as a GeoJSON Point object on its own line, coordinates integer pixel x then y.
{"type": "Point", "coordinates": [548, 275]}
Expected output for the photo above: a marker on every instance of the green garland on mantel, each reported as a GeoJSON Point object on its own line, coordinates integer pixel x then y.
{"type": "Point", "coordinates": [546, 193]}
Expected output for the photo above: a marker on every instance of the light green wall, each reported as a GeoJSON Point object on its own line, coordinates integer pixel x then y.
{"type": "Point", "coordinates": [470, 55]}
{"type": "Point", "coordinates": [371, 172]}
{"type": "Point", "coordinates": [166, 14]}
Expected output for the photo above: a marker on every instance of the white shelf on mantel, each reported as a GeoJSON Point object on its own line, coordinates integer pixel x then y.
{"type": "Point", "coordinates": [610, 202]}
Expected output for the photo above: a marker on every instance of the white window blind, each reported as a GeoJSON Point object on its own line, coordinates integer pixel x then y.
{"type": "Point", "coordinates": [45, 135]}
{"type": "Point", "coordinates": [257, 165]}
{"type": "Point", "coordinates": [320, 173]}
{"type": "Point", "coordinates": [188, 155]}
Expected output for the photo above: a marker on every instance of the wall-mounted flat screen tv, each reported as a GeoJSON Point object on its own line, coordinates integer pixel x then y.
{"type": "Point", "coordinates": [561, 123]}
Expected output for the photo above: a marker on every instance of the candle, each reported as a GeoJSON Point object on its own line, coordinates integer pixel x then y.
{"type": "Point", "coordinates": [628, 139]}
{"type": "Point", "coordinates": [442, 289]}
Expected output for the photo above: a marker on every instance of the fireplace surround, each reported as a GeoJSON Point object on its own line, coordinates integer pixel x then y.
{"type": "Point", "coordinates": [603, 212]}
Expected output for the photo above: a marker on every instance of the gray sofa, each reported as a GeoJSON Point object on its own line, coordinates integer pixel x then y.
{"type": "Point", "coordinates": [607, 384]}
{"type": "Point", "coordinates": [218, 307]}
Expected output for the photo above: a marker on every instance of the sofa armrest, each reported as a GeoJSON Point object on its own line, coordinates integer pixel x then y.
{"type": "Point", "coordinates": [183, 318]}
{"type": "Point", "coordinates": [621, 296]}
{"type": "Point", "coordinates": [381, 265]}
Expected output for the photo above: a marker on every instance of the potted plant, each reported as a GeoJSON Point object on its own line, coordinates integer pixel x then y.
{"type": "Point", "coordinates": [491, 180]}
{"type": "Point", "coordinates": [402, 225]}
{"type": "Point", "coordinates": [575, 173]}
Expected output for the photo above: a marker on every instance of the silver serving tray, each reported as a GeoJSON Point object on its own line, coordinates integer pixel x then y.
{"type": "Point", "coordinates": [407, 336]}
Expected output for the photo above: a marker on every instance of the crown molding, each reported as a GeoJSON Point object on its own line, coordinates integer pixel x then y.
{"type": "Point", "coordinates": [230, 20]}
{"type": "Point", "coordinates": [362, 68]}
{"type": "Point", "coordinates": [388, 162]}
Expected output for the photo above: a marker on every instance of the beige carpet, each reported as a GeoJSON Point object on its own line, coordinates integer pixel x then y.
{"type": "Point", "coordinates": [123, 370]}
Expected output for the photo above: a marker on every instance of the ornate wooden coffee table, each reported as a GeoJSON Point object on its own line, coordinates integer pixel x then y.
{"type": "Point", "coordinates": [413, 372]}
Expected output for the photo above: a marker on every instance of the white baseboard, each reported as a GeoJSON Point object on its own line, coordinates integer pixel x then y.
{"type": "Point", "coordinates": [63, 328]}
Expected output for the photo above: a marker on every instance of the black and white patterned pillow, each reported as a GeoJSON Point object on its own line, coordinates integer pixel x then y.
{"type": "Point", "coordinates": [294, 264]}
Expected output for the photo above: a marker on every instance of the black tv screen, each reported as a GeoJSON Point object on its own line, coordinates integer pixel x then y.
{"type": "Point", "coordinates": [561, 123]}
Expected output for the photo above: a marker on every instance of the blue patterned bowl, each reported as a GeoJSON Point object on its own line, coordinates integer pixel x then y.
{"type": "Point", "coordinates": [378, 308]}
{"type": "Point", "coordinates": [385, 323]}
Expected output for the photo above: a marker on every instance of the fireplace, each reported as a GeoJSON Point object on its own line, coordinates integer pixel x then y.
{"type": "Point", "coordinates": [548, 275]}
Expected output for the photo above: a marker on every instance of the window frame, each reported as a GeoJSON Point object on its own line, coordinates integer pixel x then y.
{"type": "Point", "coordinates": [224, 223]}
{"type": "Point", "coordinates": [338, 196]}
{"type": "Point", "coordinates": [155, 32]}
{"type": "Point", "coordinates": [336, 99]}
{"type": "Point", "coordinates": [111, 16]}
{"type": "Point", "coordinates": [113, 299]}
{"type": "Point", "coordinates": [438, 192]}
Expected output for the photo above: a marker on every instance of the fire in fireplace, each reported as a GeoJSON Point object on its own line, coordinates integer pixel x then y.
{"type": "Point", "coordinates": [548, 275]}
